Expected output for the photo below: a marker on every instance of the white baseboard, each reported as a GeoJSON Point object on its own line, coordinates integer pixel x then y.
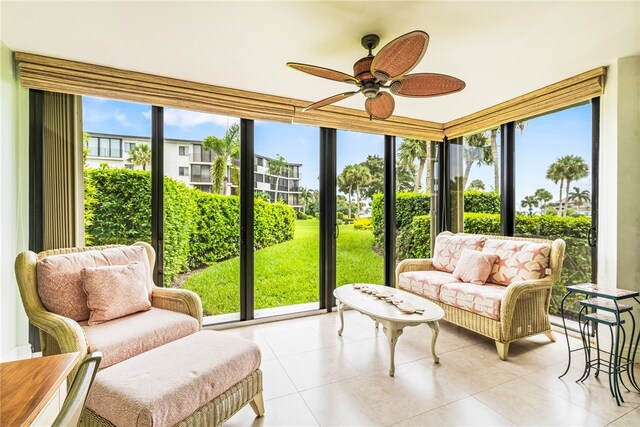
{"type": "Point", "coordinates": [18, 353]}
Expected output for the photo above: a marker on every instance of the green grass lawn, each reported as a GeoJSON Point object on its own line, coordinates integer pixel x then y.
{"type": "Point", "coordinates": [287, 273]}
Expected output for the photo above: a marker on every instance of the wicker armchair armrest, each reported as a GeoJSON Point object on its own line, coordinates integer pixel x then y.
{"type": "Point", "coordinates": [413, 264]}
{"type": "Point", "coordinates": [179, 300]}
{"type": "Point", "coordinates": [67, 332]}
{"type": "Point", "coordinates": [514, 291]}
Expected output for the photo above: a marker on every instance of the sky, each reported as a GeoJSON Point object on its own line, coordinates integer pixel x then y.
{"type": "Point", "coordinates": [544, 139]}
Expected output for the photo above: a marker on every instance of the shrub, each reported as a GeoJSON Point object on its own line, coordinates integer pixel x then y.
{"type": "Point", "coordinates": [481, 201]}
{"type": "Point", "coordinates": [217, 228]}
{"type": "Point", "coordinates": [408, 205]}
{"type": "Point", "coordinates": [414, 241]}
{"type": "Point", "coordinates": [180, 212]}
{"type": "Point", "coordinates": [362, 224]}
{"type": "Point", "coordinates": [199, 228]}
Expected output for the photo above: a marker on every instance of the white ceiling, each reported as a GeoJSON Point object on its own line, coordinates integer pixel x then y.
{"type": "Point", "coordinates": [500, 49]}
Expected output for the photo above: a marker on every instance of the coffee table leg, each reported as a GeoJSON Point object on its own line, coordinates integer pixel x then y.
{"type": "Point", "coordinates": [341, 314]}
{"type": "Point", "coordinates": [435, 330]}
{"type": "Point", "coordinates": [393, 332]}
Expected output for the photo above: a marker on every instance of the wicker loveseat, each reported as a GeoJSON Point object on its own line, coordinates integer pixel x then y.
{"type": "Point", "coordinates": [159, 367]}
{"type": "Point", "coordinates": [506, 307]}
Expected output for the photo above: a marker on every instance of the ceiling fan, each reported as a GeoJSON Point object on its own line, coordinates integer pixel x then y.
{"type": "Point", "coordinates": [386, 70]}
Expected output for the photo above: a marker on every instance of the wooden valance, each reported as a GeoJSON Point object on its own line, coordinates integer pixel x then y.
{"type": "Point", "coordinates": [567, 92]}
{"type": "Point", "coordinates": [79, 78]}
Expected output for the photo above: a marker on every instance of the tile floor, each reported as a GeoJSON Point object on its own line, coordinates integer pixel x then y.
{"type": "Point", "coordinates": [314, 377]}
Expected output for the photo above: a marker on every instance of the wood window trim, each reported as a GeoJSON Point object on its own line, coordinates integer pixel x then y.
{"type": "Point", "coordinates": [79, 78]}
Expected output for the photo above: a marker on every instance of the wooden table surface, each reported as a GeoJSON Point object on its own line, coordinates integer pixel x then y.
{"type": "Point", "coordinates": [27, 385]}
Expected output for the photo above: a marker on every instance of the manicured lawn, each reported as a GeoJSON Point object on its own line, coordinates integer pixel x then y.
{"type": "Point", "coordinates": [287, 273]}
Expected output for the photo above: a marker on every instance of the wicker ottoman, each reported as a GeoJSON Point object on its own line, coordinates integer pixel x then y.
{"type": "Point", "coordinates": [201, 379]}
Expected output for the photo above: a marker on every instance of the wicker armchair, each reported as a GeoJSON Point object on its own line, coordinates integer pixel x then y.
{"type": "Point", "coordinates": [524, 309]}
{"type": "Point", "coordinates": [59, 334]}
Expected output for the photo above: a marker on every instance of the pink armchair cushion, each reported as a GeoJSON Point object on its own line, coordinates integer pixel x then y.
{"type": "Point", "coordinates": [169, 383]}
{"type": "Point", "coordinates": [128, 336]}
{"type": "Point", "coordinates": [449, 247]}
{"type": "Point", "coordinates": [425, 283]}
{"type": "Point", "coordinates": [484, 300]}
{"type": "Point", "coordinates": [115, 290]}
{"type": "Point", "coordinates": [517, 260]}
{"type": "Point", "coordinates": [60, 279]}
{"type": "Point", "coordinates": [474, 266]}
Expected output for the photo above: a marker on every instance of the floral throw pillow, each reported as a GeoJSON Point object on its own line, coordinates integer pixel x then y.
{"type": "Point", "coordinates": [449, 247]}
{"type": "Point", "coordinates": [517, 260]}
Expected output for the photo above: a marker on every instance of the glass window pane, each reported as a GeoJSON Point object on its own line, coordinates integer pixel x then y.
{"type": "Point", "coordinates": [553, 190]}
{"type": "Point", "coordinates": [475, 183]}
{"type": "Point", "coordinates": [286, 273]}
{"type": "Point", "coordinates": [115, 147]}
{"type": "Point", "coordinates": [416, 186]}
{"type": "Point", "coordinates": [117, 199]}
{"type": "Point", "coordinates": [202, 218]}
{"type": "Point", "coordinates": [359, 208]}
{"type": "Point", "coordinates": [93, 146]}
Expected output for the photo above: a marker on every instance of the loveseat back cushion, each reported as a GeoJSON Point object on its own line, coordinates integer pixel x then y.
{"type": "Point", "coordinates": [517, 260]}
{"type": "Point", "coordinates": [126, 337]}
{"type": "Point", "coordinates": [167, 384]}
{"type": "Point", "coordinates": [484, 300]}
{"type": "Point", "coordinates": [448, 249]}
{"type": "Point", "coordinates": [115, 291]}
{"type": "Point", "coordinates": [425, 283]}
{"type": "Point", "coordinates": [60, 277]}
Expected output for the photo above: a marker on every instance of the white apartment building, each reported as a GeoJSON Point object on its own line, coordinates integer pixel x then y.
{"type": "Point", "coordinates": [186, 161]}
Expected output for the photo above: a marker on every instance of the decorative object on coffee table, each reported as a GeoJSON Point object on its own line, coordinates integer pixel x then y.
{"type": "Point", "coordinates": [394, 312]}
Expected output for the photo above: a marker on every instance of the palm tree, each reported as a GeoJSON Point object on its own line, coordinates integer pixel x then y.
{"type": "Point", "coordinates": [579, 197]}
{"type": "Point", "coordinates": [226, 149]}
{"type": "Point", "coordinates": [140, 155]}
{"type": "Point", "coordinates": [276, 167]}
{"type": "Point", "coordinates": [543, 197]}
{"type": "Point", "coordinates": [494, 158]}
{"type": "Point", "coordinates": [305, 197]}
{"type": "Point", "coordinates": [529, 202]}
{"type": "Point", "coordinates": [361, 177]}
{"type": "Point", "coordinates": [346, 182]}
{"type": "Point", "coordinates": [575, 168]}
{"type": "Point", "coordinates": [477, 149]}
{"type": "Point", "coordinates": [555, 173]}
{"type": "Point", "coordinates": [412, 149]}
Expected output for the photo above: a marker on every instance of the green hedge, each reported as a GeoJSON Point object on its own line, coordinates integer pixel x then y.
{"type": "Point", "coordinates": [199, 228]}
{"type": "Point", "coordinates": [481, 201]}
{"type": "Point", "coordinates": [410, 205]}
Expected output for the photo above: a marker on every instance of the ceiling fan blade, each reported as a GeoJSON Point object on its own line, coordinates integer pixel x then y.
{"type": "Point", "coordinates": [329, 100]}
{"type": "Point", "coordinates": [400, 56]}
{"type": "Point", "coordinates": [325, 73]}
{"type": "Point", "coordinates": [426, 84]}
{"type": "Point", "coordinates": [380, 107]}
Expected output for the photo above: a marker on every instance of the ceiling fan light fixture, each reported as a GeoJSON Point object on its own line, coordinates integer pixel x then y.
{"type": "Point", "coordinates": [381, 76]}
{"type": "Point", "coordinates": [395, 86]}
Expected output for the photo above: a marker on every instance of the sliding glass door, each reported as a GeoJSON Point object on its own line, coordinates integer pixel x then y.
{"type": "Point", "coordinates": [286, 211]}
{"type": "Point", "coordinates": [359, 208]}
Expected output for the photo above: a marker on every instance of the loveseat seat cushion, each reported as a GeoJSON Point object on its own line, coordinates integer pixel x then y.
{"type": "Point", "coordinates": [425, 283]}
{"type": "Point", "coordinates": [517, 260]}
{"type": "Point", "coordinates": [128, 336]}
{"type": "Point", "coordinates": [167, 384]}
{"type": "Point", "coordinates": [448, 249]}
{"type": "Point", "coordinates": [60, 277]}
{"type": "Point", "coordinates": [484, 300]}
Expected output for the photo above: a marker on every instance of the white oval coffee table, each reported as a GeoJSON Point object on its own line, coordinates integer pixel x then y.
{"type": "Point", "coordinates": [389, 316]}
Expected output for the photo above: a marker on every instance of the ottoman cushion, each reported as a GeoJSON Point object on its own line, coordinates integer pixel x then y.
{"type": "Point", "coordinates": [163, 386]}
